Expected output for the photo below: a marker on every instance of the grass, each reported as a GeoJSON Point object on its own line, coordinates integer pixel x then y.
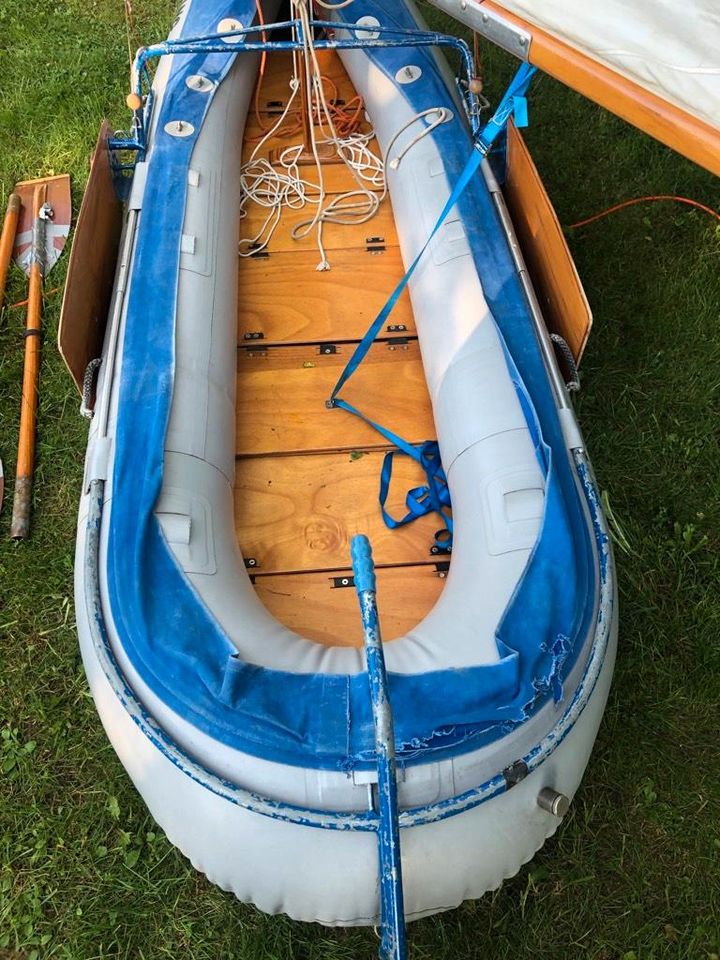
{"type": "Point", "coordinates": [633, 872]}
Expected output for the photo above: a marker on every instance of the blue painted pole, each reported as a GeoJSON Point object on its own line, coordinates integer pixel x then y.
{"type": "Point", "coordinates": [392, 912]}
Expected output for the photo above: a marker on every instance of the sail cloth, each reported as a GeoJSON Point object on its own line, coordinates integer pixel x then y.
{"type": "Point", "coordinates": [670, 48]}
{"type": "Point", "coordinates": [655, 63]}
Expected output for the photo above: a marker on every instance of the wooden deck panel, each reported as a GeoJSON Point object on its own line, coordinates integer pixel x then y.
{"type": "Point", "coordinates": [281, 399]}
{"type": "Point", "coordinates": [339, 304]}
{"type": "Point", "coordinates": [276, 82]}
{"type": "Point", "coordinates": [297, 509]}
{"type": "Point", "coordinates": [311, 604]}
{"type": "Point", "coordinates": [300, 513]}
{"type": "Point", "coordinates": [380, 229]}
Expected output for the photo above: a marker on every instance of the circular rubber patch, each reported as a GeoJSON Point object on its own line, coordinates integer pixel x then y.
{"type": "Point", "coordinates": [408, 74]}
{"type": "Point", "coordinates": [370, 34]}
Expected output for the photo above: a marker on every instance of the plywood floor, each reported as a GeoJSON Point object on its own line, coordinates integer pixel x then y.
{"type": "Point", "coordinates": [307, 477]}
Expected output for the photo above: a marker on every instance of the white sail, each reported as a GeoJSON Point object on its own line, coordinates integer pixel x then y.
{"type": "Point", "coordinates": [671, 49]}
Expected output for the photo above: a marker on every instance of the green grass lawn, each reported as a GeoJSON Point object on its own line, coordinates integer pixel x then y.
{"type": "Point", "coordinates": [633, 872]}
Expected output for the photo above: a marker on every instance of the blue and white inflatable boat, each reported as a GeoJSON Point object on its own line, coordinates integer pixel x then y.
{"type": "Point", "coordinates": [238, 702]}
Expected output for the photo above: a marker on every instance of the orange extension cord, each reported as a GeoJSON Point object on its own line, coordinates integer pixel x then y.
{"type": "Point", "coordinates": [631, 203]}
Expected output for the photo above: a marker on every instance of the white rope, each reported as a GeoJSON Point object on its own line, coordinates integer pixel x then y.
{"type": "Point", "coordinates": [275, 187]}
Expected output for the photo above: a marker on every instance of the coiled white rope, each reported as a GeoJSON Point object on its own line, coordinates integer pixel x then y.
{"type": "Point", "coordinates": [279, 186]}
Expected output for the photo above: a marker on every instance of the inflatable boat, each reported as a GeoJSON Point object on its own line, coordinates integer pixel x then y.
{"type": "Point", "coordinates": [295, 326]}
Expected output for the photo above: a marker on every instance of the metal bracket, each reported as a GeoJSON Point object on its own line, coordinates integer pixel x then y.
{"type": "Point", "coordinates": [375, 245]}
{"type": "Point", "coordinates": [340, 582]}
{"type": "Point", "coordinates": [503, 33]}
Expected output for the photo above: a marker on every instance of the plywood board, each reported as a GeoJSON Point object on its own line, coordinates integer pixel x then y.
{"type": "Point", "coordinates": [275, 85]}
{"type": "Point", "coordinates": [91, 270]}
{"type": "Point", "coordinates": [337, 178]}
{"type": "Point", "coordinates": [286, 300]}
{"type": "Point", "coordinates": [545, 249]}
{"type": "Point", "coordinates": [380, 228]}
{"type": "Point", "coordinates": [282, 394]}
{"type": "Point", "coordinates": [312, 605]}
{"type": "Point", "coordinates": [300, 513]}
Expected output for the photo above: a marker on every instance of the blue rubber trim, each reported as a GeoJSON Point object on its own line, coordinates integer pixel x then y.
{"type": "Point", "coordinates": [367, 821]}
{"type": "Point", "coordinates": [173, 641]}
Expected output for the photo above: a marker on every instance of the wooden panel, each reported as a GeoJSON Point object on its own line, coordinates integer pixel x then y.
{"type": "Point", "coordinates": [674, 127]}
{"type": "Point", "coordinates": [91, 270]}
{"type": "Point", "coordinates": [281, 399]}
{"type": "Point", "coordinates": [335, 236]}
{"type": "Point", "coordinates": [556, 280]}
{"type": "Point", "coordinates": [312, 606]}
{"type": "Point", "coordinates": [300, 513]}
{"type": "Point", "coordinates": [337, 178]}
{"type": "Point", "coordinates": [276, 82]}
{"type": "Point", "coordinates": [336, 304]}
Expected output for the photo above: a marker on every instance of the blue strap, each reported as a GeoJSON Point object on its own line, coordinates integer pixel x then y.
{"type": "Point", "coordinates": [431, 498]}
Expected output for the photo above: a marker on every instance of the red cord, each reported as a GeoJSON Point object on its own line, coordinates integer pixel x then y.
{"type": "Point", "coordinates": [631, 203]}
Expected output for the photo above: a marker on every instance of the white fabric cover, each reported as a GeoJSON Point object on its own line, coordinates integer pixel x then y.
{"type": "Point", "coordinates": [670, 48]}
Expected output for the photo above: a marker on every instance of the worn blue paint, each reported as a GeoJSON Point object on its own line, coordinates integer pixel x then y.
{"type": "Point", "coordinates": [392, 911]}
{"type": "Point", "coordinates": [173, 641]}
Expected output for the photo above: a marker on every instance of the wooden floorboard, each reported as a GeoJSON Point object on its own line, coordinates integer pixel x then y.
{"type": "Point", "coordinates": [282, 394]}
{"type": "Point", "coordinates": [275, 85]}
{"type": "Point", "coordinates": [300, 513]}
{"type": "Point", "coordinates": [307, 477]}
{"type": "Point", "coordinates": [339, 304]}
{"type": "Point", "coordinates": [318, 606]}
{"type": "Point", "coordinates": [336, 236]}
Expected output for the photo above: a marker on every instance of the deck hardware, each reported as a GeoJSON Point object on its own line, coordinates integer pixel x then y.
{"type": "Point", "coordinates": [398, 342]}
{"type": "Point", "coordinates": [328, 349]}
{"type": "Point", "coordinates": [274, 106]}
{"type": "Point", "coordinates": [554, 802]}
{"type": "Point", "coordinates": [179, 128]}
{"type": "Point", "coordinates": [199, 83]}
{"type": "Point", "coordinates": [408, 74]}
{"type": "Point", "coordinates": [368, 33]}
{"type": "Point", "coordinates": [228, 25]}
{"type": "Point", "coordinates": [340, 582]}
{"type": "Point", "coordinates": [488, 24]}
{"type": "Point", "coordinates": [254, 335]}
{"type": "Point", "coordinates": [436, 551]}
{"type": "Point", "coordinates": [251, 563]}
{"type": "Point", "coordinates": [516, 772]}
{"type": "Point", "coordinates": [396, 328]}
{"type": "Point", "coordinates": [375, 244]}
{"type": "Point", "coordinates": [254, 349]}
{"type": "Point", "coordinates": [442, 569]}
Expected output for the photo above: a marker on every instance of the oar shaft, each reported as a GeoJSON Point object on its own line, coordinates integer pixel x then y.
{"type": "Point", "coordinates": [20, 526]}
{"type": "Point", "coordinates": [7, 239]}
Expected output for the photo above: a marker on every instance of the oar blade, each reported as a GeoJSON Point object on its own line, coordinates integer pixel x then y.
{"type": "Point", "coordinates": [58, 227]}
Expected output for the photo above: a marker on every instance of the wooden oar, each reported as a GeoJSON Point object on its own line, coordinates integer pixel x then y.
{"type": "Point", "coordinates": [40, 239]}
{"type": "Point", "coordinates": [7, 239]}
{"type": "Point", "coordinates": [20, 526]}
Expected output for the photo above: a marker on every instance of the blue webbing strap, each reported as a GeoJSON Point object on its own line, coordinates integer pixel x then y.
{"type": "Point", "coordinates": [434, 496]}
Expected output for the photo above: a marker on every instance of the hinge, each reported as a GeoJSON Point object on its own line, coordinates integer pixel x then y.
{"type": "Point", "coordinates": [327, 349]}
{"type": "Point", "coordinates": [341, 582]}
{"type": "Point", "coordinates": [442, 569]}
{"type": "Point", "coordinates": [375, 244]}
{"type": "Point", "coordinates": [254, 335]}
{"type": "Point", "coordinates": [395, 343]}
